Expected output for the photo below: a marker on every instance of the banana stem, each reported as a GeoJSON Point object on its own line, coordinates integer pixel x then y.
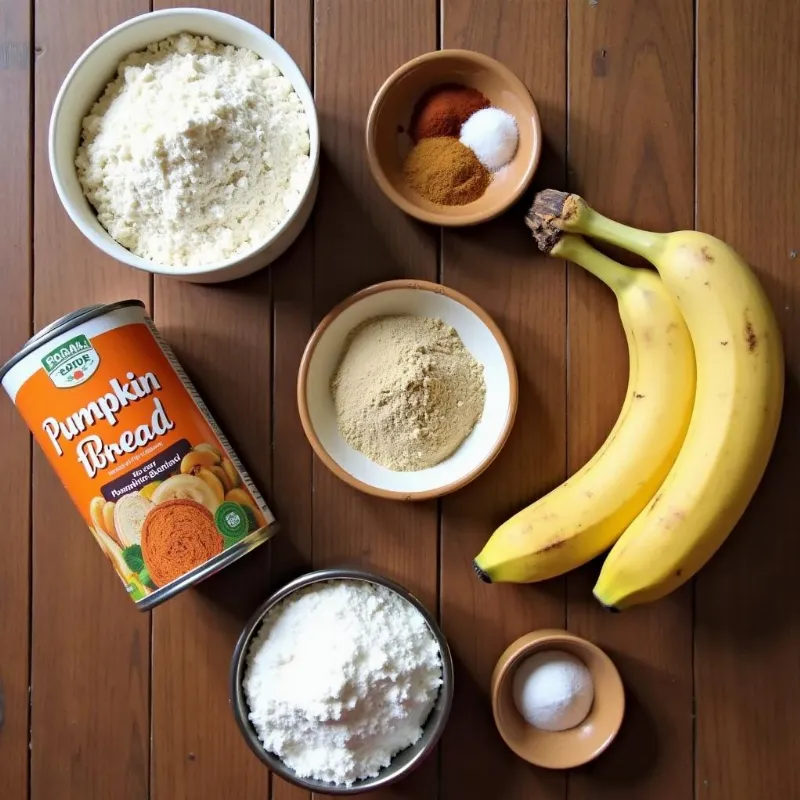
{"type": "Point", "coordinates": [570, 212]}
{"type": "Point", "coordinates": [576, 249]}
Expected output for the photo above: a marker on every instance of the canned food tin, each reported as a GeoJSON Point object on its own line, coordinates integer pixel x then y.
{"type": "Point", "coordinates": [153, 476]}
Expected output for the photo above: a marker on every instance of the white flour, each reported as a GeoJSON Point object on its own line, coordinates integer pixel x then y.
{"type": "Point", "coordinates": [340, 678]}
{"type": "Point", "coordinates": [195, 153]}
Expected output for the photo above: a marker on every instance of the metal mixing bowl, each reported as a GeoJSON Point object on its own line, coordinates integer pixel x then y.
{"type": "Point", "coordinates": [404, 762]}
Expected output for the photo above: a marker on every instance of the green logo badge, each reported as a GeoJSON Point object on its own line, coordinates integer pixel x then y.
{"type": "Point", "coordinates": [233, 522]}
{"type": "Point", "coordinates": [71, 363]}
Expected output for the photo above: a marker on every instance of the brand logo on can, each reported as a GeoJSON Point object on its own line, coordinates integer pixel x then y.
{"type": "Point", "coordinates": [71, 363]}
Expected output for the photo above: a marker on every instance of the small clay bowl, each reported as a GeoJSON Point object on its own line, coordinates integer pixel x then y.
{"type": "Point", "coordinates": [388, 140]}
{"type": "Point", "coordinates": [559, 749]}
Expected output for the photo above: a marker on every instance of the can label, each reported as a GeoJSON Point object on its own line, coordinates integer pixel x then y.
{"type": "Point", "coordinates": [155, 479]}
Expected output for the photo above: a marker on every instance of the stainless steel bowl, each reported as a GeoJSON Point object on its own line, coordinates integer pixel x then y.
{"type": "Point", "coordinates": [404, 762]}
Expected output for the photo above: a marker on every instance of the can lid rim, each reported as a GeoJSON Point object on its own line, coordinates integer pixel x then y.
{"type": "Point", "coordinates": [57, 327]}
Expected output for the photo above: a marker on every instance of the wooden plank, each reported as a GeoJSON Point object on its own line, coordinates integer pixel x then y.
{"type": "Point", "coordinates": [91, 652]}
{"type": "Point", "coordinates": [360, 238]}
{"type": "Point", "coordinates": [293, 297]}
{"type": "Point", "coordinates": [222, 336]}
{"type": "Point", "coordinates": [630, 153]}
{"type": "Point", "coordinates": [293, 303]}
{"type": "Point", "coordinates": [499, 267]}
{"type": "Point", "coordinates": [747, 647]}
{"type": "Point", "coordinates": [15, 323]}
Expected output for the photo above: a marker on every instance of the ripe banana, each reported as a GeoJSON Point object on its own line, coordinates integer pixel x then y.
{"type": "Point", "coordinates": [740, 376]}
{"type": "Point", "coordinates": [586, 514]}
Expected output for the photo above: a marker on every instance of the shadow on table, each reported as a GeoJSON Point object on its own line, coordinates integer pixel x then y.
{"type": "Point", "coordinates": [240, 587]}
{"type": "Point", "coordinates": [475, 761]}
{"type": "Point", "coordinates": [749, 592]}
{"type": "Point", "coordinates": [634, 754]}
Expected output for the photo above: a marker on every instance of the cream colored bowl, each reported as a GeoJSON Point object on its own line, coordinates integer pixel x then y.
{"type": "Point", "coordinates": [88, 78]}
{"type": "Point", "coordinates": [480, 336]}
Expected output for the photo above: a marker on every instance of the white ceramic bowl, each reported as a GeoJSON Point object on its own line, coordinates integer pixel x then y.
{"type": "Point", "coordinates": [480, 336]}
{"type": "Point", "coordinates": [88, 78]}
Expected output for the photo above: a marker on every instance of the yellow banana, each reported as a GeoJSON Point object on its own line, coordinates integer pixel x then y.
{"type": "Point", "coordinates": [586, 514]}
{"type": "Point", "coordinates": [740, 376]}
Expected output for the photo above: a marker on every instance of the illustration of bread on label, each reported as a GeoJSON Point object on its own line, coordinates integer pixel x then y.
{"type": "Point", "coordinates": [199, 488]}
{"type": "Point", "coordinates": [101, 528]}
{"type": "Point", "coordinates": [129, 514]}
{"type": "Point", "coordinates": [101, 512]}
{"type": "Point", "coordinates": [178, 535]}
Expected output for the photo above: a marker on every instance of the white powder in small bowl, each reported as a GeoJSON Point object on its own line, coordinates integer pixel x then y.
{"type": "Point", "coordinates": [492, 134]}
{"type": "Point", "coordinates": [340, 678]}
{"type": "Point", "coordinates": [553, 690]}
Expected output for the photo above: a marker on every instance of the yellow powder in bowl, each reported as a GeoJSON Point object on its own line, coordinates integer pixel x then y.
{"type": "Point", "coordinates": [446, 172]}
{"type": "Point", "coordinates": [407, 392]}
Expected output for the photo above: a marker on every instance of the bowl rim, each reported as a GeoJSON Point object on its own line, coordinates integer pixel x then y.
{"type": "Point", "coordinates": [433, 217]}
{"type": "Point", "coordinates": [238, 702]}
{"type": "Point", "coordinates": [536, 640]}
{"type": "Point", "coordinates": [319, 332]}
{"type": "Point", "coordinates": [126, 256]}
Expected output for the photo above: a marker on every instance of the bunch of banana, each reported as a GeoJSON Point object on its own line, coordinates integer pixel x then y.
{"type": "Point", "coordinates": [585, 515]}
{"type": "Point", "coordinates": [740, 375]}
{"type": "Point", "coordinates": [736, 411]}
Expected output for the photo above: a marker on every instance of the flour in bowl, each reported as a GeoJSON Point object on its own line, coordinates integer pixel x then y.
{"type": "Point", "coordinates": [195, 153]}
{"type": "Point", "coordinates": [340, 678]}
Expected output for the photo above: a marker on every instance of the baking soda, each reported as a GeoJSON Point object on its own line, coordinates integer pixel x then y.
{"type": "Point", "coordinates": [553, 690]}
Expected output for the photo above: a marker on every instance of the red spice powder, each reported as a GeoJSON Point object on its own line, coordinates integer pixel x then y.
{"type": "Point", "coordinates": [444, 109]}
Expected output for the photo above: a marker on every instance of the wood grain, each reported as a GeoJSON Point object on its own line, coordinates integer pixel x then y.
{"type": "Point", "coordinates": [498, 265]}
{"type": "Point", "coordinates": [293, 297]}
{"type": "Point", "coordinates": [359, 239]}
{"type": "Point", "coordinates": [747, 648]}
{"type": "Point", "coordinates": [222, 335]}
{"type": "Point", "coordinates": [16, 55]}
{"type": "Point", "coordinates": [90, 718]}
{"type": "Point", "coordinates": [293, 304]}
{"type": "Point", "coordinates": [630, 152]}
{"type": "Point", "coordinates": [630, 134]}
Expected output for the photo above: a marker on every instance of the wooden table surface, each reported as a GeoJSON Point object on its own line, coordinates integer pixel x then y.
{"type": "Point", "coordinates": [666, 114]}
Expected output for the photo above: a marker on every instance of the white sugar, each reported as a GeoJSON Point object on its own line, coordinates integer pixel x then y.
{"type": "Point", "coordinates": [493, 136]}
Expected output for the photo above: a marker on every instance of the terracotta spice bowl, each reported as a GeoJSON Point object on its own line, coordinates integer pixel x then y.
{"type": "Point", "coordinates": [388, 141]}
{"type": "Point", "coordinates": [559, 749]}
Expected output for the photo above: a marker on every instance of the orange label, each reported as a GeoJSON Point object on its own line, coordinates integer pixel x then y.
{"type": "Point", "coordinates": [149, 470]}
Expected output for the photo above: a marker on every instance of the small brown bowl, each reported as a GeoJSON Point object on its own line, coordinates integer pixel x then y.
{"type": "Point", "coordinates": [559, 749]}
{"type": "Point", "coordinates": [388, 140]}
